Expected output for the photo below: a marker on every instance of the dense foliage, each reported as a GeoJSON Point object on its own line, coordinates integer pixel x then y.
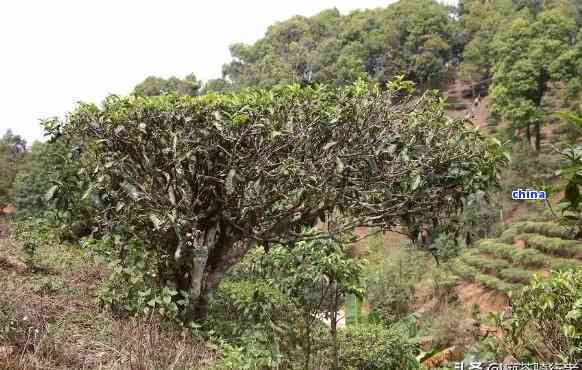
{"type": "Point", "coordinates": [12, 151]}
{"type": "Point", "coordinates": [546, 319]}
{"type": "Point", "coordinates": [525, 50]}
{"type": "Point", "coordinates": [199, 180]}
{"type": "Point", "coordinates": [153, 86]}
{"type": "Point", "coordinates": [360, 349]}
{"type": "Point", "coordinates": [414, 38]}
{"type": "Point", "coordinates": [229, 206]}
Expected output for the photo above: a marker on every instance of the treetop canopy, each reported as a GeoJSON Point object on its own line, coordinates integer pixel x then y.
{"type": "Point", "coordinates": [265, 162]}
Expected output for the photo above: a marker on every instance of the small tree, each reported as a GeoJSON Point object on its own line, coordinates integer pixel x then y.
{"type": "Point", "coordinates": [200, 180]}
{"type": "Point", "coordinates": [546, 320]}
{"type": "Point", "coordinates": [317, 275]}
{"type": "Point", "coordinates": [12, 153]}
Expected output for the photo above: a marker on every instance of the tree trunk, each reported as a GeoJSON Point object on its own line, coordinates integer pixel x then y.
{"type": "Point", "coordinates": [538, 136]}
{"type": "Point", "coordinates": [333, 324]}
{"type": "Point", "coordinates": [528, 135]}
{"type": "Point", "coordinates": [200, 265]}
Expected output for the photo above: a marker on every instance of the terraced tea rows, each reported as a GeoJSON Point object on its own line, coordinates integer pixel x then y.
{"type": "Point", "coordinates": [524, 249]}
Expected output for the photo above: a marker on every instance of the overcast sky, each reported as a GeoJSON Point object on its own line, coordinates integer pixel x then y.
{"type": "Point", "coordinates": [55, 53]}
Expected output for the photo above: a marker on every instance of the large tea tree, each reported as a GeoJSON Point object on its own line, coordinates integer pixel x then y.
{"type": "Point", "coordinates": [201, 180]}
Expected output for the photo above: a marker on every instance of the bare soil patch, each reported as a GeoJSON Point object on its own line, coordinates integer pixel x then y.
{"type": "Point", "coordinates": [487, 300]}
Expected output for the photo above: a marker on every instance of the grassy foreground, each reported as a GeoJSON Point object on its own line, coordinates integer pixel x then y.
{"type": "Point", "coordinates": [50, 318]}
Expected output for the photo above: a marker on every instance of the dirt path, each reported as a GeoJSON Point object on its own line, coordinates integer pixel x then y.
{"type": "Point", "coordinates": [456, 93]}
{"type": "Point", "coordinates": [516, 212]}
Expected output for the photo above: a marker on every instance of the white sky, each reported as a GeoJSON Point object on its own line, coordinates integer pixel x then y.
{"type": "Point", "coordinates": [55, 53]}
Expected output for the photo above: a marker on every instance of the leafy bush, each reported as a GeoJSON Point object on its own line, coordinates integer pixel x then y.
{"type": "Point", "coordinates": [555, 246]}
{"type": "Point", "coordinates": [515, 275]}
{"type": "Point", "coordinates": [251, 355]}
{"type": "Point", "coordinates": [390, 285]}
{"type": "Point", "coordinates": [465, 271]}
{"type": "Point", "coordinates": [33, 233]}
{"type": "Point", "coordinates": [132, 287]}
{"type": "Point", "coordinates": [370, 346]}
{"type": "Point", "coordinates": [508, 236]}
{"type": "Point", "coordinates": [239, 308]}
{"type": "Point", "coordinates": [168, 168]}
{"type": "Point", "coordinates": [494, 283]}
{"type": "Point", "coordinates": [472, 274]}
{"type": "Point", "coordinates": [546, 322]}
{"type": "Point", "coordinates": [485, 264]}
{"type": "Point", "coordinates": [526, 257]}
{"type": "Point", "coordinates": [543, 228]}
{"type": "Point", "coordinates": [447, 247]}
{"type": "Point", "coordinates": [53, 185]}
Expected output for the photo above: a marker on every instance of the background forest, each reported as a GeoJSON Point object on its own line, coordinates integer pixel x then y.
{"type": "Point", "coordinates": [339, 199]}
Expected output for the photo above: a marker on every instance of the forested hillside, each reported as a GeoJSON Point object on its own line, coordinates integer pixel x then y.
{"type": "Point", "coordinates": [341, 198]}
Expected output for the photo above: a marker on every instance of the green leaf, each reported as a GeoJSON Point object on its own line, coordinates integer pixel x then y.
{"type": "Point", "coordinates": [416, 182]}
{"type": "Point", "coordinates": [51, 193]}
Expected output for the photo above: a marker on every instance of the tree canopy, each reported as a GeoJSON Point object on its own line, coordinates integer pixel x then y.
{"type": "Point", "coordinates": [153, 86]}
{"type": "Point", "coordinates": [212, 175]}
{"type": "Point", "coordinates": [414, 38]}
{"type": "Point", "coordinates": [12, 151]}
{"type": "Point", "coordinates": [526, 54]}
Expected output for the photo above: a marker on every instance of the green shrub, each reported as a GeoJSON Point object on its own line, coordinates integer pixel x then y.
{"type": "Point", "coordinates": [543, 228]}
{"type": "Point", "coordinates": [390, 285]}
{"type": "Point", "coordinates": [485, 264]}
{"type": "Point", "coordinates": [546, 324]}
{"type": "Point", "coordinates": [516, 275]}
{"type": "Point", "coordinates": [526, 257]}
{"type": "Point", "coordinates": [53, 185]}
{"type": "Point", "coordinates": [554, 246]}
{"type": "Point", "coordinates": [490, 282]}
{"type": "Point", "coordinates": [240, 307]}
{"type": "Point", "coordinates": [508, 236]}
{"type": "Point", "coordinates": [370, 346]}
{"type": "Point", "coordinates": [186, 147]}
{"type": "Point", "coordinates": [33, 233]}
{"type": "Point", "coordinates": [253, 354]}
{"type": "Point", "coordinates": [473, 274]}
{"type": "Point", "coordinates": [447, 247]}
{"type": "Point", "coordinates": [465, 271]}
{"type": "Point", "coordinates": [132, 287]}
